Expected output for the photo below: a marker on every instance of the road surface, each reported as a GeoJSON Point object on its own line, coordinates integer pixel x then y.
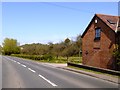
{"type": "Point", "coordinates": [20, 73]}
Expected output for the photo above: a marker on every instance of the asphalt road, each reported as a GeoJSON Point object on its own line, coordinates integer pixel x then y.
{"type": "Point", "coordinates": [20, 73]}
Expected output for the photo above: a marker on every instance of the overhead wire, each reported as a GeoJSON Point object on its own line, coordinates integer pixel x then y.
{"type": "Point", "coordinates": [71, 8]}
{"type": "Point", "coordinates": [75, 9]}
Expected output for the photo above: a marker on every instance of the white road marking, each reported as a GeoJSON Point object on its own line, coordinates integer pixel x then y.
{"type": "Point", "coordinates": [9, 58]}
{"type": "Point", "coordinates": [34, 72]}
{"type": "Point", "coordinates": [31, 70]}
{"type": "Point", "coordinates": [47, 80]}
{"type": "Point", "coordinates": [18, 62]}
{"type": "Point", "coordinates": [14, 61]}
{"type": "Point", "coordinates": [23, 65]}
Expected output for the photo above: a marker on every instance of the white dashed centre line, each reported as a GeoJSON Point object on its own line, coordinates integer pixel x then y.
{"type": "Point", "coordinates": [31, 70]}
{"type": "Point", "coordinates": [34, 72]}
{"type": "Point", "coordinates": [11, 60]}
{"type": "Point", "coordinates": [23, 65]}
{"type": "Point", "coordinates": [18, 62]}
{"type": "Point", "coordinates": [47, 80]}
{"type": "Point", "coordinates": [14, 61]}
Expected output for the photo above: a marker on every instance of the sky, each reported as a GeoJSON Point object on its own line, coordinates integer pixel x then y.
{"type": "Point", "coordinates": [43, 22]}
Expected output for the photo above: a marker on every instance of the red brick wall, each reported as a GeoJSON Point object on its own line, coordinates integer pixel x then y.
{"type": "Point", "coordinates": [98, 53]}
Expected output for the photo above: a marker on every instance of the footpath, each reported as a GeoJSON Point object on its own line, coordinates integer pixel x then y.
{"type": "Point", "coordinates": [111, 78]}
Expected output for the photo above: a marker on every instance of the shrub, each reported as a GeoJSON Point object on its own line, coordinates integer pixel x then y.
{"type": "Point", "coordinates": [47, 57]}
{"type": "Point", "coordinates": [34, 57]}
{"type": "Point", "coordinates": [117, 56]}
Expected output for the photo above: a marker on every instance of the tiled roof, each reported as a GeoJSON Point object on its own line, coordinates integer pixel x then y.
{"type": "Point", "coordinates": [112, 21]}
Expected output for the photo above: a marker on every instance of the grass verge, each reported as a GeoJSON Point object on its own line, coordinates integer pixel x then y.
{"type": "Point", "coordinates": [86, 70]}
{"type": "Point", "coordinates": [49, 58]}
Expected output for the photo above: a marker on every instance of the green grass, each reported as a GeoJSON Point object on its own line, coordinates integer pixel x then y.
{"type": "Point", "coordinates": [47, 60]}
{"type": "Point", "coordinates": [64, 60]}
{"type": "Point", "coordinates": [92, 71]}
{"type": "Point", "coordinates": [60, 60]}
{"type": "Point", "coordinates": [75, 59]}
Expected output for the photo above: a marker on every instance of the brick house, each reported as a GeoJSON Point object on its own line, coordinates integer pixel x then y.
{"type": "Point", "coordinates": [99, 40]}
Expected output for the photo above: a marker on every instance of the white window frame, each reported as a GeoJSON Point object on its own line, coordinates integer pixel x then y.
{"type": "Point", "coordinates": [97, 33]}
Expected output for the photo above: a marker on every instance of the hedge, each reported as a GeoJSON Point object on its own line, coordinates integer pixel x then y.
{"type": "Point", "coordinates": [34, 57]}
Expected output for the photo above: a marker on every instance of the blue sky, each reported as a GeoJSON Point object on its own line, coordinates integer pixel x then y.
{"type": "Point", "coordinates": [38, 22]}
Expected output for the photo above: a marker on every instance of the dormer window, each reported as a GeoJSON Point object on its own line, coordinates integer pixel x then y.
{"type": "Point", "coordinates": [111, 22]}
{"type": "Point", "coordinates": [97, 33]}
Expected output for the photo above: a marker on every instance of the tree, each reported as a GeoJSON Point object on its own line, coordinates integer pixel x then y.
{"type": "Point", "coordinates": [0, 49]}
{"type": "Point", "coordinates": [79, 42]}
{"type": "Point", "coordinates": [70, 50]}
{"type": "Point", "coordinates": [50, 44]}
{"type": "Point", "coordinates": [57, 49]}
{"type": "Point", "coordinates": [116, 54]}
{"type": "Point", "coordinates": [67, 41]}
{"type": "Point", "coordinates": [66, 49]}
{"type": "Point", "coordinates": [10, 46]}
{"type": "Point", "coordinates": [35, 49]}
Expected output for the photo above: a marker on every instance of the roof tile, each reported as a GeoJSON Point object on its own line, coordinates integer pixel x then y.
{"type": "Point", "coordinates": [110, 20]}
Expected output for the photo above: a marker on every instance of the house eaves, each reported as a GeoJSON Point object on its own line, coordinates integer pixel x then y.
{"type": "Point", "coordinates": [104, 19]}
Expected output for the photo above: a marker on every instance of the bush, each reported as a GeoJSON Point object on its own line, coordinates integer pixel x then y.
{"type": "Point", "coordinates": [47, 57]}
{"type": "Point", "coordinates": [34, 57]}
{"type": "Point", "coordinates": [117, 56]}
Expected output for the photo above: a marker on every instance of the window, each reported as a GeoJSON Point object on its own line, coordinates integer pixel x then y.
{"type": "Point", "coordinates": [97, 33]}
{"type": "Point", "coordinates": [111, 22]}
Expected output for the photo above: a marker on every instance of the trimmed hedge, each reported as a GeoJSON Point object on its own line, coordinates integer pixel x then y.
{"type": "Point", "coordinates": [34, 57]}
